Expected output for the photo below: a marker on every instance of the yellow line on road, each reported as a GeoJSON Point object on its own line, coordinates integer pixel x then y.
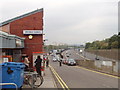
{"type": "Point", "coordinates": [98, 72]}
{"type": "Point", "coordinates": [57, 78]}
{"type": "Point", "coordinates": [60, 80]}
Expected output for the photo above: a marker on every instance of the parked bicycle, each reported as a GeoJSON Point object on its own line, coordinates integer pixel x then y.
{"type": "Point", "coordinates": [33, 79]}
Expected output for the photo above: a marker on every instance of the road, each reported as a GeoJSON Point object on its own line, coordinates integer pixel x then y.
{"type": "Point", "coordinates": [76, 55]}
{"type": "Point", "coordinates": [76, 77]}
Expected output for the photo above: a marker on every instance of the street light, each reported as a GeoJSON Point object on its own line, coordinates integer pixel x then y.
{"type": "Point", "coordinates": [30, 37]}
{"type": "Point", "coordinates": [96, 58]}
{"type": "Point", "coordinates": [84, 53]}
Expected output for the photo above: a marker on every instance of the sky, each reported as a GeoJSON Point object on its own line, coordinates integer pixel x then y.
{"type": "Point", "coordinates": [69, 21]}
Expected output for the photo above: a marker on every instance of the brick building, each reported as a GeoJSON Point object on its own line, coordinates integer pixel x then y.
{"type": "Point", "coordinates": [30, 27]}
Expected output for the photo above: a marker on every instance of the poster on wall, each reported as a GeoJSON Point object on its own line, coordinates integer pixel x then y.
{"type": "Point", "coordinates": [5, 59]}
{"type": "Point", "coordinates": [18, 43]}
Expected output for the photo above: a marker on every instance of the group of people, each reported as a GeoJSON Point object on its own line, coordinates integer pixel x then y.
{"type": "Point", "coordinates": [37, 62]}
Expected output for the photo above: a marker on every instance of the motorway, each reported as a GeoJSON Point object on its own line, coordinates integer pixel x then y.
{"type": "Point", "coordinates": [76, 55]}
{"type": "Point", "coordinates": [77, 77]}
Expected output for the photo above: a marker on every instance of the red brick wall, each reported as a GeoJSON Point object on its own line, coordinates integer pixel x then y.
{"type": "Point", "coordinates": [5, 28]}
{"type": "Point", "coordinates": [31, 22]}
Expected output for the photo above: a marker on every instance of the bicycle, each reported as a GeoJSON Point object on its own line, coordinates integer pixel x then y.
{"type": "Point", "coordinates": [33, 79]}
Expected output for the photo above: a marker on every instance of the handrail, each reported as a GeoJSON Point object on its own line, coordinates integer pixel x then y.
{"type": "Point", "coordinates": [9, 84]}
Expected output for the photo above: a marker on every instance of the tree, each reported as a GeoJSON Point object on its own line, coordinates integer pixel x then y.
{"type": "Point", "coordinates": [111, 40]}
{"type": "Point", "coordinates": [109, 43]}
{"type": "Point", "coordinates": [87, 45]}
{"type": "Point", "coordinates": [114, 44]}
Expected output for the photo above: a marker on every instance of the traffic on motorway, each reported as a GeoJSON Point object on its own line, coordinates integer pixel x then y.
{"type": "Point", "coordinates": [70, 75]}
{"type": "Point", "coordinates": [67, 61]}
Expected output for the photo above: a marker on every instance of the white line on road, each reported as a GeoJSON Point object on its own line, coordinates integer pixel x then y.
{"type": "Point", "coordinates": [83, 56]}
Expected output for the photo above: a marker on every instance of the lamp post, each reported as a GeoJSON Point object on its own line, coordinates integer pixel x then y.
{"type": "Point", "coordinates": [96, 58]}
{"type": "Point", "coordinates": [84, 54]}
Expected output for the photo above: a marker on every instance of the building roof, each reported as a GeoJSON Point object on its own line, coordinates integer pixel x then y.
{"type": "Point", "coordinates": [19, 17]}
{"type": "Point", "coordinates": [4, 34]}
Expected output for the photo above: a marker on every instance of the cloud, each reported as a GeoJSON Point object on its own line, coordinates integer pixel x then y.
{"type": "Point", "coordinates": [69, 21]}
{"type": "Point", "coordinates": [80, 23]}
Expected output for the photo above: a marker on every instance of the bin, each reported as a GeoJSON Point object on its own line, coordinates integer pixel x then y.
{"type": "Point", "coordinates": [12, 72]}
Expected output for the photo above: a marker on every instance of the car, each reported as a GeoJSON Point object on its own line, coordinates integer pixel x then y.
{"type": "Point", "coordinates": [81, 51]}
{"type": "Point", "coordinates": [71, 62]}
{"type": "Point", "coordinates": [64, 61]}
{"type": "Point", "coordinates": [54, 59]}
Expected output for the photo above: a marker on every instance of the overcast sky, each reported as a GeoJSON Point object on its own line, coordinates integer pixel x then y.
{"type": "Point", "coordinates": [69, 21]}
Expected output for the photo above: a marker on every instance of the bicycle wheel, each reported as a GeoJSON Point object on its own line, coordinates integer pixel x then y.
{"type": "Point", "coordinates": [30, 81]}
{"type": "Point", "coordinates": [39, 80]}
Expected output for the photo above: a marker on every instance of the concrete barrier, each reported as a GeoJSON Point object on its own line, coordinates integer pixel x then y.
{"type": "Point", "coordinates": [110, 67]}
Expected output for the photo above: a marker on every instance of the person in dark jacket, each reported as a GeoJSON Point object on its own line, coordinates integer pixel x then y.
{"type": "Point", "coordinates": [38, 62]}
{"type": "Point", "coordinates": [60, 62]}
{"type": "Point", "coordinates": [47, 62]}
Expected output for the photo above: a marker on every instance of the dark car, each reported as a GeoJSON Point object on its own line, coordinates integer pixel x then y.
{"type": "Point", "coordinates": [71, 62]}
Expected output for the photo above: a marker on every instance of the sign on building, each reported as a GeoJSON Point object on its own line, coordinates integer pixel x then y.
{"type": "Point", "coordinates": [29, 32]}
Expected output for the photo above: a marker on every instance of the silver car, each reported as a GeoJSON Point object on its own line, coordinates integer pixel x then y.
{"type": "Point", "coordinates": [71, 62]}
{"type": "Point", "coordinates": [54, 59]}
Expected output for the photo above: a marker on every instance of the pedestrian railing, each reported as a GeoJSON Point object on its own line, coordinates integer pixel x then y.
{"type": "Point", "coordinates": [1, 84]}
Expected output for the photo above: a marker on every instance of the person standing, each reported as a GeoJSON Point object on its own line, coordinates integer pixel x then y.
{"type": "Point", "coordinates": [61, 57]}
{"type": "Point", "coordinates": [38, 62]}
{"type": "Point", "coordinates": [26, 62]}
{"type": "Point", "coordinates": [60, 62]}
{"type": "Point", "coordinates": [47, 62]}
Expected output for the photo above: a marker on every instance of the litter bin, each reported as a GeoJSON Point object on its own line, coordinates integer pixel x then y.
{"type": "Point", "coordinates": [12, 72]}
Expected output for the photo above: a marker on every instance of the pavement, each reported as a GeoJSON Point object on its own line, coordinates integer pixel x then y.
{"type": "Point", "coordinates": [49, 81]}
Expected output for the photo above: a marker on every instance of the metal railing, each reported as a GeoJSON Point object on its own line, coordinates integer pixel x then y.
{"type": "Point", "coordinates": [1, 84]}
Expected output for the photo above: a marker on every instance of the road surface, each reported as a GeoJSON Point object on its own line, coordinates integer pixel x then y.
{"type": "Point", "coordinates": [77, 77]}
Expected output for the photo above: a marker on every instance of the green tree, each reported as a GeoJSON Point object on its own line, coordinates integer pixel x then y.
{"type": "Point", "coordinates": [111, 40]}
{"type": "Point", "coordinates": [114, 44]}
{"type": "Point", "coordinates": [109, 43]}
{"type": "Point", "coordinates": [87, 45]}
